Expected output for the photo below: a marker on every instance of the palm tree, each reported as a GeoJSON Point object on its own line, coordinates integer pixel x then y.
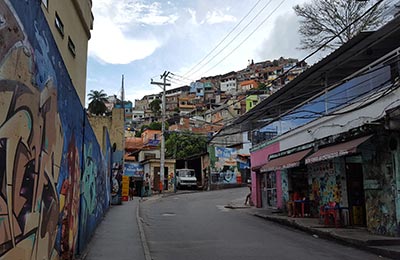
{"type": "Point", "coordinates": [97, 102]}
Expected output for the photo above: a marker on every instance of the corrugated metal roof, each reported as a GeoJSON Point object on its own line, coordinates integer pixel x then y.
{"type": "Point", "coordinates": [356, 54]}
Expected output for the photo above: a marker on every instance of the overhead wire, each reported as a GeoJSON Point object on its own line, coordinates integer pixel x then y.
{"type": "Point", "coordinates": [311, 54]}
{"type": "Point", "coordinates": [246, 38]}
{"type": "Point", "coordinates": [241, 31]}
{"type": "Point", "coordinates": [366, 97]}
{"type": "Point", "coordinates": [315, 51]}
{"type": "Point", "coordinates": [233, 29]}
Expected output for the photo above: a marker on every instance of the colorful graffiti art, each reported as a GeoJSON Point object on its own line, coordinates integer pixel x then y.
{"type": "Point", "coordinates": [30, 151]}
{"type": "Point", "coordinates": [224, 166]}
{"type": "Point", "coordinates": [41, 140]}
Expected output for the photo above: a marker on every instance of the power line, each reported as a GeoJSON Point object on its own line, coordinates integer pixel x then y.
{"type": "Point", "coordinates": [178, 79]}
{"type": "Point", "coordinates": [246, 38]}
{"type": "Point", "coordinates": [248, 115]}
{"type": "Point", "coordinates": [234, 38]}
{"type": "Point", "coordinates": [179, 76]}
{"type": "Point", "coordinates": [234, 28]}
{"type": "Point", "coordinates": [366, 97]}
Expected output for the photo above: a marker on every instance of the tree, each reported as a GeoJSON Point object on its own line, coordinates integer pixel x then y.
{"type": "Point", "coordinates": [184, 144]}
{"type": "Point", "coordinates": [97, 102]}
{"type": "Point", "coordinates": [155, 106]}
{"type": "Point", "coordinates": [320, 20]}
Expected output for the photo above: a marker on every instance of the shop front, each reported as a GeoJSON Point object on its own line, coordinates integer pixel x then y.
{"type": "Point", "coordinates": [135, 172]}
{"type": "Point", "coordinates": [336, 178]}
{"type": "Point", "coordinates": [284, 174]}
{"type": "Point", "coordinates": [259, 157]}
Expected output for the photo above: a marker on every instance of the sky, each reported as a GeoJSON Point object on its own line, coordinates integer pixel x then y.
{"type": "Point", "coordinates": [141, 39]}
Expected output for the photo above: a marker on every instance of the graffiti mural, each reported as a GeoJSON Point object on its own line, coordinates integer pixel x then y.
{"type": "Point", "coordinates": [43, 166]}
{"type": "Point", "coordinates": [30, 151]}
{"type": "Point", "coordinates": [94, 197]}
{"type": "Point", "coordinates": [380, 198]}
{"type": "Point", "coordinates": [325, 183]}
{"type": "Point", "coordinates": [224, 168]}
{"type": "Point", "coordinates": [116, 184]}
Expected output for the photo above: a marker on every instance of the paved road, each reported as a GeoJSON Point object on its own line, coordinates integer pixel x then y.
{"type": "Point", "coordinates": [197, 226]}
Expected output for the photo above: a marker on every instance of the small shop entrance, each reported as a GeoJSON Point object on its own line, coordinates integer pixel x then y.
{"type": "Point", "coordinates": [298, 182]}
{"type": "Point", "coordinates": [268, 190]}
{"type": "Point", "coordinates": [355, 194]}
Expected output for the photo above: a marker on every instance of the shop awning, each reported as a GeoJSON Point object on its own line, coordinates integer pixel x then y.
{"type": "Point", "coordinates": [337, 150]}
{"type": "Point", "coordinates": [256, 168]}
{"type": "Point", "coordinates": [284, 162]}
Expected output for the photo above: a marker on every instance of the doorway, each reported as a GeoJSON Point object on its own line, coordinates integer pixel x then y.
{"type": "Point", "coordinates": [268, 190]}
{"type": "Point", "coordinates": [156, 181]}
{"type": "Point", "coordinates": [355, 194]}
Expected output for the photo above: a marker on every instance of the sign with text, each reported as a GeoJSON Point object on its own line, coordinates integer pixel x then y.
{"type": "Point", "coordinates": [133, 169]}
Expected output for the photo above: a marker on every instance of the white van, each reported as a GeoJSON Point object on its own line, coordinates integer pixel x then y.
{"type": "Point", "coordinates": [185, 178]}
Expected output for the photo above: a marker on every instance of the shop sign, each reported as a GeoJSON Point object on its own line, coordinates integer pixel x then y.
{"type": "Point", "coordinates": [133, 169]}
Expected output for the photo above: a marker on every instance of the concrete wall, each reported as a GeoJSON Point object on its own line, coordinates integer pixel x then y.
{"type": "Point", "coordinates": [114, 124]}
{"type": "Point", "coordinates": [380, 170]}
{"type": "Point", "coordinates": [327, 126]}
{"type": "Point", "coordinates": [54, 185]}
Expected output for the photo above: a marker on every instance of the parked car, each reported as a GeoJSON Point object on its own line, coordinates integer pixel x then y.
{"type": "Point", "coordinates": [186, 178]}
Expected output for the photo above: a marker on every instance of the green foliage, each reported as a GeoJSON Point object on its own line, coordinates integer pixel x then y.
{"type": "Point", "coordinates": [155, 126]}
{"type": "Point", "coordinates": [155, 106]}
{"type": "Point", "coordinates": [97, 102]}
{"type": "Point", "coordinates": [180, 145]}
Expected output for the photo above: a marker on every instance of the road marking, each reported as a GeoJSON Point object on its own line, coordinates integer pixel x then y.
{"type": "Point", "coordinates": [168, 214]}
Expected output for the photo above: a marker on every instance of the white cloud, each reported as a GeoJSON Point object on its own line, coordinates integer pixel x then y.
{"type": "Point", "coordinates": [193, 18]}
{"type": "Point", "coordinates": [110, 45]}
{"type": "Point", "coordinates": [218, 16]}
{"type": "Point", "coordinates": [111, 42]}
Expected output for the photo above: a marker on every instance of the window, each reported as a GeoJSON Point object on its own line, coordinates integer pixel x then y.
{"type": "Point", "coordinates": [59, 25]}
{"type": "Point", "coordinates": [71, 46]}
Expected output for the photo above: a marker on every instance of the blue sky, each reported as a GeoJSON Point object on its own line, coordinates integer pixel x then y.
{"type": "Point", "coordinates": [141, 39]}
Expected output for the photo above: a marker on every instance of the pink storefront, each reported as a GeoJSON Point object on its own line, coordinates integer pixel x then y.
{"type": "Point", "coordinates": [262, 188]}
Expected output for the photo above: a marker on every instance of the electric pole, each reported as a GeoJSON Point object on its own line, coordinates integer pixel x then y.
{"type": "Point", "coordinates": [162, 152]}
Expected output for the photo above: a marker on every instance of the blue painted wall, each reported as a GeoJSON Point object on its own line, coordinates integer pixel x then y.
{"type": "Point", "coordinates": [54, 178]}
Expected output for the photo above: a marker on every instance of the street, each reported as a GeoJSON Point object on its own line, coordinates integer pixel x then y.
{"type": "Point", "coordinates": [198, 226]}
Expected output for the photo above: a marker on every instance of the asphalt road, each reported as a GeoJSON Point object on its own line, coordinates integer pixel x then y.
{"type": "Point", "coordinates": [198, 226]}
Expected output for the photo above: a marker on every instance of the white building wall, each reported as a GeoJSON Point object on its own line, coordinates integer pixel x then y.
{"type": "Point", "coordinates": [331, 125]}
{"type": "Point", "coordinates": [228, 86]}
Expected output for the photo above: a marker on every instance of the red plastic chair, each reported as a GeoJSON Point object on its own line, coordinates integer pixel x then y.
{"type": "Point", "coordinates": [329, 212]}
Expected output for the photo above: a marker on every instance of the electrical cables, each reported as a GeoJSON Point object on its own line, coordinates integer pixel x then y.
{"type": "Point", "coordinates": [234, 28]}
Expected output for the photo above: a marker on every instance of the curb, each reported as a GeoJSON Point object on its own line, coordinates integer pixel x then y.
{"type": "Point", "coordinates": [145, 246]}
{"type": "Point", "coordinates": [326, 235]}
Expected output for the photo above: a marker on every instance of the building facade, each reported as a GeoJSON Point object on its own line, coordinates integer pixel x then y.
{"type": "Point", "coordinates": [341, 147]}
{"type": "Point", "coordinates": [70, 23]}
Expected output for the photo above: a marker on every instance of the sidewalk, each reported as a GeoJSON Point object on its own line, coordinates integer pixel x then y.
{"type": "Point", "coordinates": [118, 235]}
{"type": "Point", "coordinates": [356, 237]}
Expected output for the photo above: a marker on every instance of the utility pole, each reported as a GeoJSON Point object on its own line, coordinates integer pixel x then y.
{"type": "Point", "coordinates": [162, 152]}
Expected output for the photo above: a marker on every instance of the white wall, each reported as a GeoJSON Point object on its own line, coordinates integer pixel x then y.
{"type": "Point", "coordinates": [331, 125]}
